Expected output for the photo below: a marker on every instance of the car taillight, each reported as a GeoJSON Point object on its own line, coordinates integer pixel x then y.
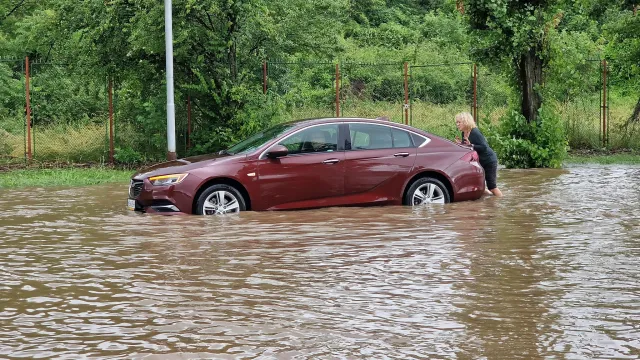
{"type": "Point", "coordinates": [473, 158]}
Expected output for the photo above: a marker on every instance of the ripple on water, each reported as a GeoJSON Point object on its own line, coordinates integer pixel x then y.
{"type": "Point", "coordinates": [550, 270]}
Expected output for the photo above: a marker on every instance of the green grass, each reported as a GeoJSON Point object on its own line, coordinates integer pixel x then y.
{"type": "Point", "coordinates": [623, 159]}
{"type": "Point", "coordinates": [581, 117]}
{"type": "Point", "coordinates": [87, 143]}
{"type": "Point", "coordinates": [62, 177]}
{"type": "Point", "coordinates": [75, 143]}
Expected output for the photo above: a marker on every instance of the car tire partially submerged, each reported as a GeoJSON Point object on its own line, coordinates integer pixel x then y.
{"type": "Point", "coordinates": [220, 199]}
{"type": "Point", "coordinates": [427, 190]}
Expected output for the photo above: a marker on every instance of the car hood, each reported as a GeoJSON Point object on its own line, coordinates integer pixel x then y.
{"type": "Point", "coordinates": [184, 165]}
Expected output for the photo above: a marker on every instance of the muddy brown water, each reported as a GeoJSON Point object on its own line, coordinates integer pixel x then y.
{"type": "Point", "coordinates": [550, 271]}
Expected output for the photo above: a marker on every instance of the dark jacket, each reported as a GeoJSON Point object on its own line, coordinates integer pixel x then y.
{"type": "Point", "coordinates": [481, 146]}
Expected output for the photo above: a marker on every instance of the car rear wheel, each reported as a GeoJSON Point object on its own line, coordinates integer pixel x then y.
{"type": "Point", "coordinates": [425, 191]}
{"type": "Point", "coordinates": [220, 199]}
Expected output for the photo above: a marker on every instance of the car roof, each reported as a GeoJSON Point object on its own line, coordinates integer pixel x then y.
{"type": "Point", "coordinates": [314, 121]}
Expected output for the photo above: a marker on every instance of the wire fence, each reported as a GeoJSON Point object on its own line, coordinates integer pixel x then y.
{"type": "Point", "coordinates": [578, 99]}
{"type": "Point", "coordinates": [68, 114]}
{"type": "Point", "coordinates": [307, 89]}
{"type": "Point", "coordinates": [53, 112]}
{"type": "Point", "coordinates": [438, 92]}
{"type": "Point", "coordinates": [59, 112]}
{"type": "Point", "coordinates": [370, 90]}
{"type": "Point", "coordinates": [621, 130]}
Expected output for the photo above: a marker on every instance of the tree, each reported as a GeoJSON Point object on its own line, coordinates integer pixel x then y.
{"type": "Point", "coordinates": [624, 47]}
{"type": "Point", "coordinates": [218, 46]}
{"type": "Point", "coordinates": [514, 32]}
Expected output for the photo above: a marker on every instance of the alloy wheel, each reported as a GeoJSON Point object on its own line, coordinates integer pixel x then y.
{"type": "Point", "coordinates": [219, 203]}
{"type": "Point", "coordinates": [428, 194]}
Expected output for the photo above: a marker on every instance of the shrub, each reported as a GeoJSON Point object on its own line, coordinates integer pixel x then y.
{"type": "Point", "coordinates": [519, 144]}
{"type": "Point", "coordinates": [127, 156]}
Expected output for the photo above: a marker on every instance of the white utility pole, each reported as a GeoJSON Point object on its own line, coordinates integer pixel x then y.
{"type": "Point", "coordinates": [171, 108]}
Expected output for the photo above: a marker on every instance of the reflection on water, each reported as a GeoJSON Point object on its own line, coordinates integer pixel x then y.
{"type": "Point", "coordinates": [549, 271]}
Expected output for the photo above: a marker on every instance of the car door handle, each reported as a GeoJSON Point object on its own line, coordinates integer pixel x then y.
{"type": "Point", "coordinates": [331, 161]}
{"type": "Point", "coordinates": [402, 154]}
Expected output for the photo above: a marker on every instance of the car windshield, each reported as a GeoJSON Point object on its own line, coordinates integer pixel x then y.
{"type": "Point", "coordinates": [257, 140]}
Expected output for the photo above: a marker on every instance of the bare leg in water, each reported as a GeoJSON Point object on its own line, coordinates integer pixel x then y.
{"type": "Point", "coordinates": [495, 192]}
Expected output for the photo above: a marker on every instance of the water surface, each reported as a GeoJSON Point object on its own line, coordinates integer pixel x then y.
{"type": "Point", "coordinates": [549, 271]}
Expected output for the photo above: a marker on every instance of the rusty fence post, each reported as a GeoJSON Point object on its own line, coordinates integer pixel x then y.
{"type": "Point", "coordinates": [605, 134]}
{"type": "Point", "coordinates": [28, 98]}
{"type": "Point", "coordinates": [337, 90]}
{"type": "Point", "coordinates": [188, 122]}
{"type": "Point", "coordinates": [475, 93]}
{"type": "Point", "coordinates": [406, 93]}
{"type": "Point", "coordinates": [264, 77]}
{"type": "Point", "coordinates": [410, 98]}
{"type": "Point", "coordinates": [110, 90]}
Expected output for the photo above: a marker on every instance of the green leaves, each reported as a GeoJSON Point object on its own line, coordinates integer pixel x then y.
{"type": "Point", "coordinates": [520, 144]}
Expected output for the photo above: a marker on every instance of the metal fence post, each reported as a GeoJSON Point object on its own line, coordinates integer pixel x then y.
{"type": "Point", "coordinates": [28, 98]}
{"type": "Point", "coordinates": [188, 121]}
{"type": "Point", "coordinates": [110, 120]}
{"type": "Point", "coordinates": [475, 93]}
{"type": "Point", "coordinates": [337, 90]}
{"type": "Point", "coordinates": [604, 103]}
{"type": "Point", "coordinates": [410, 99]}
{"type": "Point", "coordinates": [264, 77]}
{"type": "Point", "coordinates": [406, 93]}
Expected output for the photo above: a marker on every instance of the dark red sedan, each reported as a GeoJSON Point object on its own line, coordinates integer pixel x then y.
{"type": "Point", "coordinates": [314, 163]}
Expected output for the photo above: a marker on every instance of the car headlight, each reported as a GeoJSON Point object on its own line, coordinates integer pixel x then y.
{"type": "Point", "coordinates": [167, 179]}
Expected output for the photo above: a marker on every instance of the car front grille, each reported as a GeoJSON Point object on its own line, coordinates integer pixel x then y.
{"type": "Point", "coordinates": [135, 188]}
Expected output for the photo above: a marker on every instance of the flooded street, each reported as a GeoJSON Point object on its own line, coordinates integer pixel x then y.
{"type": "Point", "coordinates": [550, 271]}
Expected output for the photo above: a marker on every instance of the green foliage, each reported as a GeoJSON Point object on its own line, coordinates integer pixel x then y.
{"type": "Point", "coordinates": [259, 112]}
{"type": "Point", "coordinates": [11, 87]}
{"type": "Point", "coordinates": [219, 46]}
{"type": "Point", "coordinates": [574, 66]}
{"type": "Point", "coordinates": [127, 156]}
{"type": "Point", "coordinates": [505, 29]}
{"type": "Point", "coordinates": [62, 177]}
{"type": "Point", "coordinates": [520, 144]}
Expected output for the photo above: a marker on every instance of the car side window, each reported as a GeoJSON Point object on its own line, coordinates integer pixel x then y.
{"type": "Point", "coordinates": [322, 138]}
{"type": "Point", "coordinates": [418, 140]}
{"type": "Point", "coordinates": [401, 138]}
{"type": "Point", "coordinates": [370, 137]}
{"type": "Point", "coordinates": [359, 140]}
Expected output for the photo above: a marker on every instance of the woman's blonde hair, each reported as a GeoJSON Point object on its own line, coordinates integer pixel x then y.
{"type": "Point", "coordinates": [466, 119]}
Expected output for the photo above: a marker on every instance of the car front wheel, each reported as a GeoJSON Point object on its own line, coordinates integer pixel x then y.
{"type": "Point", "coordinates": [427, 190]}
{"type": "Point", "coordinates": [220, 199]}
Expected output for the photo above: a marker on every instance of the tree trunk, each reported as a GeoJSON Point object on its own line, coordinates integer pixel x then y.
{"type": "Point", "coordinates": [530, 67]}
{"type": "Point", "coordinates": [635, 117]}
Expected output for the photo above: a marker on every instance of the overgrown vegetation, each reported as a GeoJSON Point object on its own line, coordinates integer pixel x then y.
{"type": "Point", "coordinates": [62, 177]}
{"type": "Point", "coordinates": [521, 143]}
{"type": "Point", "coordinates": [220, 45]}
{"type": "Point", "coordinates": [601, 158]}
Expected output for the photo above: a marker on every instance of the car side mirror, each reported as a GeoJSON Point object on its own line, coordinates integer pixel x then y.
{"type": "Point", "coordinates": [277, 152]}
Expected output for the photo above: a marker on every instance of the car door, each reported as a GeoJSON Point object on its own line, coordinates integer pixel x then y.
{"type": "Point", "coordinates": [313, 170]}
{"type": "Point", "coordinates": [378, 157]}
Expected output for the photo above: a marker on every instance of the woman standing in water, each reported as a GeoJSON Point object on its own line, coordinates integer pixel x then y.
{"type": "Point", "coordinates": [471, 135]}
